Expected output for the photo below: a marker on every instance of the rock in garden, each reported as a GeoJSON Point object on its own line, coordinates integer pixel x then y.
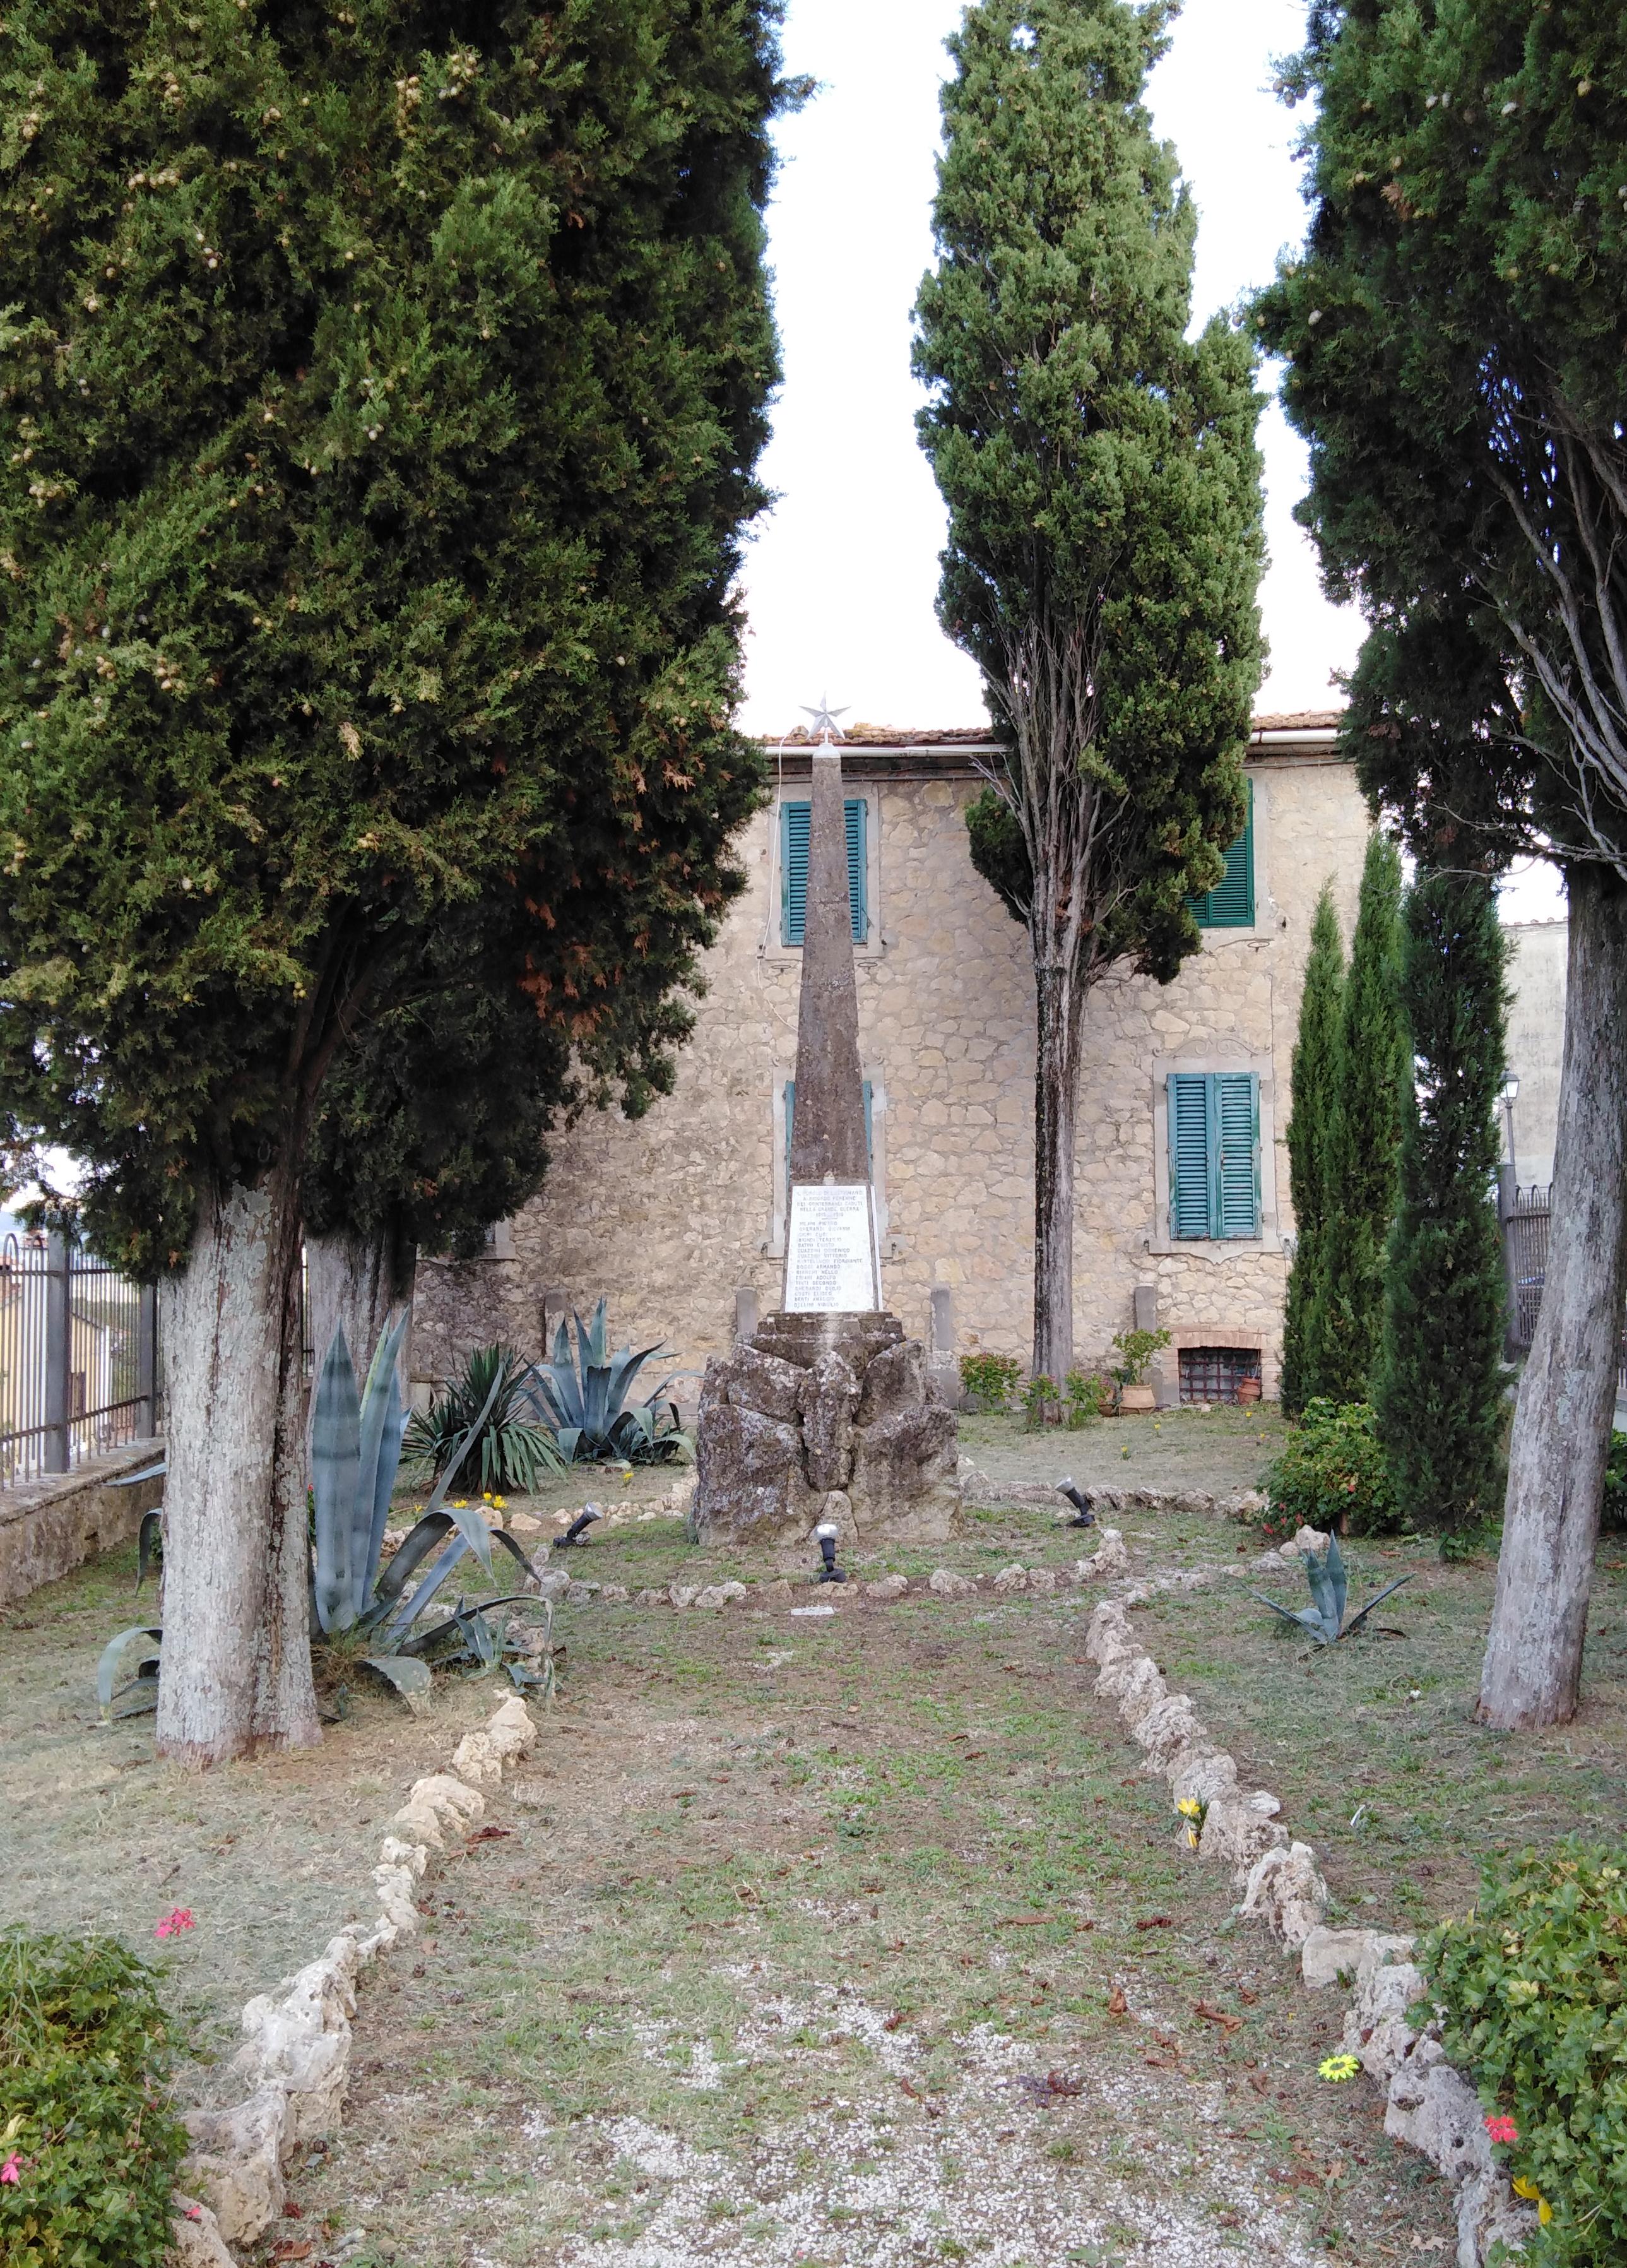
{"type": "Point", "coordinates": [1041, 1581]}
{"type": "Point", "coordinates": [1327, 1954]}
{"type": "Point", "coordinates": [1204, 1779]}
{"type": "Point", "coordinates": [684, 1595]}
{"type": "Point", "coordinates": [1285, 1890]}
{"type": "Point", "coordinates": [1435, 2110]}
{"type": "Point", "coordinates": [948, 1585]}
{"type": "Point", "coordinates": [1308, 1539]}
{"type": "Point", "coordinates": [236, 2164]}
{"type": "Point", "coordinates": [1376, 2026]}
{"type": "Point", "coordinates": [777, 1593]}
{"type": "Point", "coordinates": [888, 1587]}
{"type": "Point", "coordinates": [1109, 1636]}
{"type": "Point", "coordinates": [1239, 1829]}
{"type": "Point", "coordinates": [1013, 1578]}
{"type": "Point", "coordinates": [194, 2237]}
{"type": "Point", "coordinates": [1169, 1728]}
{"type": "Point", "coordinates": [1134, 1684]}
{"type": "Point", "coordinates": [648, 1597]}
{"type": "Point", "coordinates": [716, 1595]}
{"type": "Point", "coordinates": [827, 1398]}
{"type": "Point", "coordinates": [614, 1594]}
{"type": "Point", "coordinates": [476, 1761]}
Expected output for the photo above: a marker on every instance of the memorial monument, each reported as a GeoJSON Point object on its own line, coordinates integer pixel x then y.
{"type": "Point", "coordinates": [828, 1413]}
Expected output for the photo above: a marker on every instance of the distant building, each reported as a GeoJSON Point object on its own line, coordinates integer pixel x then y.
{"type": "Point", "coordinates": [1182, 1184]}
{"type": "Point", "coordinates": [1536, 973]}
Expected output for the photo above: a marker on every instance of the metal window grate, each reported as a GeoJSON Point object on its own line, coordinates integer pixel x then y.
{"type": "Point", "coordinates": [1212, 1374]}
{"type": "Point", "coordinates": [78, 1357]}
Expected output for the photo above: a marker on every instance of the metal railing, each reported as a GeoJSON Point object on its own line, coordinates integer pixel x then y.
{"type": "Point", "coordinates": [78, 1357]}
{"type": "Point", "coordinates": [1525, 1215]}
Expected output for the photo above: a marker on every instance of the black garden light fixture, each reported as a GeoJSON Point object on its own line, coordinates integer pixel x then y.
{"type": "Point", "coordinates": [1083, 1516]}
{"type": "Point", "coordinates": [825, 1536]}
{"type": "Point", "coordinates": [577, 1533]}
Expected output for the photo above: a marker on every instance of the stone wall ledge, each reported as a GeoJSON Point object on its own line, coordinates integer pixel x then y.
{"type": "Point", "coordinates": [50, 1526]}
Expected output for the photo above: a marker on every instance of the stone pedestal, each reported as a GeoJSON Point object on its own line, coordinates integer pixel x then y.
{"type": "Point", "coordinates": [824, 1417]}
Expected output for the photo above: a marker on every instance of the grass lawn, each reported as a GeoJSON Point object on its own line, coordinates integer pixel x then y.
{"type": "Point", "coordinates": [851, 1940]}
{"type": "Point", "coordinates": [1220, 1452]}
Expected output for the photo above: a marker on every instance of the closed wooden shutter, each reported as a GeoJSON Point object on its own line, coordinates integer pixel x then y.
{"type": "Point", "coordinates": [1189, 1154]}
{"type": "Point", "coordinates": [1237, 1172]}
{"type": "Point", "coordinates": [796, 821]}
{"type": "Point", "coordinates": [1231, 903]}
{"type": "Point", "coordinates": [1214, 1154]}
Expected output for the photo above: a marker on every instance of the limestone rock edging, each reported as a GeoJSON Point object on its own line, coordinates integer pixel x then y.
{"type": "Point", "coordinates": [296, 2058]}
{"type": "Point", "coordinates": [1431, 2107]}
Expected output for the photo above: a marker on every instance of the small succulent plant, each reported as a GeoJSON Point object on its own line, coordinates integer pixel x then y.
{"type": "Point", "coordinates": [1324, 1618]}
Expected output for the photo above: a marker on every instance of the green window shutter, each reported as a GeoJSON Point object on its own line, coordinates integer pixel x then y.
{"type": "Point", "coordinates": [796, 821]}
{"type": "Point", "coordinates": [1236, 1115]}
{"type": "Point", "coordinates": [1190, 1169]}
{"type": "Point", "coordinates": [869, 1131]}
{"type": "Point", "coordinates": [854, 813]}
{"type": "Point", "coordinates": [1231, 903]}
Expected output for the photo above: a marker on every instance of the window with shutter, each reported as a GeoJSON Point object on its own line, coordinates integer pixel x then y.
{"type": "Point", "coordinates": [791, 1113]}
{"type": "Point", "coordinates": [1231, 903]}
{"type": "Point", "coordinates": [795, 820]}
{"type": "Point", "coordinates": [1214, 1154]}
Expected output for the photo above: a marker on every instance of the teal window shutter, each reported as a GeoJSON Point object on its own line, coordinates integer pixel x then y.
{"type": "Point", "coordinates": [1189, 1154]}
{"type": "Point", "coordinates": [1214, 1154]}
{"type": "Point", "coordinates": [869, 1131]}
{"type": "Point", "coordinates": [853, 812]}
{"type": "Point", "coordinates": [1236, 1115]}
{"type": "Point", "coordinates": [795, 823]}
{"type": "Point", "coordinates": [1231, 903]}
{"type": "Point", "coordinates": [795, 820]}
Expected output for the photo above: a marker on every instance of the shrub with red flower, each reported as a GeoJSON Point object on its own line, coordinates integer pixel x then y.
{"type": "Point", "coordinates": [174, 1922]}
{"type": "Point", "coordinates": [1502, 2130]}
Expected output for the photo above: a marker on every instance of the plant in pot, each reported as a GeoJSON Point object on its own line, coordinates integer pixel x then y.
{"type": "Point", "coordinates": [1134, 1350]}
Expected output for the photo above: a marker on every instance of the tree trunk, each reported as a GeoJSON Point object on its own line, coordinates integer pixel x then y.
{"type": "Point", "coordinates": [360, 1282]}
{"type": "Point", "coordinates": [1531, 1673]}
{"type": "Point", "coordinates": [1059, 1000]}
{"type": "Point", "coordinates": [237, 1657]}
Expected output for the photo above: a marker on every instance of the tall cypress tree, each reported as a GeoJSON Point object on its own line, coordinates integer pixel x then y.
{"type": "Point", "coordinates": [1364, 1138]}
{"type": "Point", "coordinates": [362, 418]}
{"type": "Point", "coordinates": [1315, 1082]}
{"type": "Point", "coordinates": [1438, 1392]}
{"type": "Point", "coordinates": [1105, 547]}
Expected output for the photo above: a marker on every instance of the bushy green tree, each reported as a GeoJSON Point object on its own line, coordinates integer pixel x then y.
{"type": "Point", "coordinates": [1438, 1392]}
{"type": "Point", "coordinates": [1315, 1082]}
{"type": "Point", "coordinates": [1454, 341]}
{"type": "Point", "coordinates": [1364, 1138]}
{"type": "Point", "coordinates": [371, 382]}
{"type": "Point", "coordinates": [1104, 549]}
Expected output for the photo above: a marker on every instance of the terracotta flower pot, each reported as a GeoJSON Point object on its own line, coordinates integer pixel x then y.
{"type": "Point", "coordinates": [1136, 1401]}
{"type": "Point", "coordinates": [1249, 1391]}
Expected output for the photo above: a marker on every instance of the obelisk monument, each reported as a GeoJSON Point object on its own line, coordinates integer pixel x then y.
{"type": "Point", "coordinates": [832, 1262]}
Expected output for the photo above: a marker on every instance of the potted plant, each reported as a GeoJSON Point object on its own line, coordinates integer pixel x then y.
{"type": "Point", "coordinates": [1134, 1350]}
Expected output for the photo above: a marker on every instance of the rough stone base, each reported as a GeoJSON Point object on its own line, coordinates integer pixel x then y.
{"type": "Point", "coordinates": [825, 1417]}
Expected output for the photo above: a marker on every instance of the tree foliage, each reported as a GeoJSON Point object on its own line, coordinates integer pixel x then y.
{"type": "Point", "coordinates": [1453, 334]}
{"type": "Point", "coordinates": [1316, 1080]}
{"type": "Point", "coordinates": [1439, 1393]}
{"type": "Point", "coordinates": [1364, 1137]}
{"type": "Point", "coordinates": [380, 392]}
{"type": "Point", "coordinates": [1104, 548]}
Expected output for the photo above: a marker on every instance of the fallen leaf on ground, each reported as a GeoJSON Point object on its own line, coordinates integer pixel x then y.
{"type": "Point", "coordinates": [1157, 1921]}
{"type": "Point", "coordinates": [1117, 2005]}
{"type": "Point", "coordinates": [1216, 2016]}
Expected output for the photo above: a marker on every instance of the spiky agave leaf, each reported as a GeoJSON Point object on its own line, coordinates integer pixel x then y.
{"type": "Point", "coordinates": [410, 1678]}
{"type": "Point", "coordinates": [113, 1658]}
{"type": "Point", "coordinates": [1360, 1616]}
{"type": "Point", "coordinates": [1308, 1618]}
{"type": "Point", "coordinates": [149, 1543]}
{"type": "Point", "coordinates": [379, 1462]}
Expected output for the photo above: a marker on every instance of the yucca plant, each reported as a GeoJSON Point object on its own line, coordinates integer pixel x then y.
{"type": "Point", "coordinates": [582, 1393]}
{"type": "Point", "coordinates": [515, 1451]}
{"type": "Point", "coordinates": [356, 1449]}
{"type": "Point", "coordinates": [1324, 1618]}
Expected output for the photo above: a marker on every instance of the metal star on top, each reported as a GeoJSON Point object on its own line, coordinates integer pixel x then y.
{"type": "Point", "coordinates": [825, 718]}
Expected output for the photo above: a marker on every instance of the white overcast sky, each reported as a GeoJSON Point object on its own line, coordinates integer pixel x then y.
{"type": "Point", "coordinates": [840, 575]}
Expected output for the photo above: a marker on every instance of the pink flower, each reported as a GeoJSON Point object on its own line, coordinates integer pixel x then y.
{"type": "Point", "coordinates": [1502, 2130]}
{"type": "Point", "coordinates": [194, 2213]}
{"type": "Point", "coordinates": [12, 2170]}
{"type": "Point", "coordinates": [173, 1923]}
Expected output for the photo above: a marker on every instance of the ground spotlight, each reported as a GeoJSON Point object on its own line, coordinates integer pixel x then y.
{"type": "Point", "coordinates": [577, 1533]}
{"type": "Point", "coordinates": [1083, 1517]}
{"type": "Point", "coordinates": [825, 1536]}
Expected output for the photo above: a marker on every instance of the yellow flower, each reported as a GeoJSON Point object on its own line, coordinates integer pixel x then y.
{"type": "Point", "coordinates": [1526, 2188]}
{"type": "Point", "coordinates": [1544, 2211]}
{"type": "Point", "coordinates": [1338, 2067]}
{"type": "Point", "coordinates": [1189, 1808]}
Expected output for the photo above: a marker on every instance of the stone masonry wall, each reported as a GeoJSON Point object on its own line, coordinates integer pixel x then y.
{"type": "Point", "coordinates": [670, 1215]}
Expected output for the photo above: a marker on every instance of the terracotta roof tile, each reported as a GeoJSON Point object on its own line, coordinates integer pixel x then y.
{"type": "Point", "coordinates": [975, 736]}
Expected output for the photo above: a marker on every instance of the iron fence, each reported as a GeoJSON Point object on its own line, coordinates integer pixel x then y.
{"type": "Point", "coordinates": [78, 1357]}
{"type": "Point", "coordinates": [1525, 1215]}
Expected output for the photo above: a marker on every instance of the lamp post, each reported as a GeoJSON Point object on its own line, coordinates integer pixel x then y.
{"type": "Point", "coordinates": [1511, 1092]}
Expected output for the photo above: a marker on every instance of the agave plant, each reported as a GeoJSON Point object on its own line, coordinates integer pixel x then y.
{"type": "Point", "coordinates": [356, 1448]}
{"type": "Point", "coordinates": [1324, 1618]}
{"type": "Point", "coordinates": [514, 1450]}
{"type": "Point", "coordinates": [583, 1395]}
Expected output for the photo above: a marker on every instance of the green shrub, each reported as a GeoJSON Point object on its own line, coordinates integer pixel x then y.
{"type": "Point", "coordinates": [1083, 1392]}
{"type": "Point", "coordinates": [1614, 1518]}
{"type": "Point", "coordinates": [1331, 1475]}
{"type": "Point", "coordinates": [1134, 1350]}
{"type": "Point", "coordinates": [991, 1378]}
{"type": "Point", "coordinates": [84, 2111]}
{"type": "Point", "coordinates": [515, 1451]}
{"type": "Point", "coordinates": [1536, 2009]}
{"type": "Point", "coordinates": [1038, 1397]}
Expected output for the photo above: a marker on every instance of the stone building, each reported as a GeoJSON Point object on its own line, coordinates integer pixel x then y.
{"type": "Point", "coordinates": [1537, 981]}
{"type": "Point", "coordinates": [1182, 1210]}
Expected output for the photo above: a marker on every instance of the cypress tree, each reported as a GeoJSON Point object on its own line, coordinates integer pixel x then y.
{"type": "Point", "coordinates": [1453, 337]}
{"type": "Point", "coordinates": [373, 380]}
{"type": "Point", "coordinates": [1364, 1137]}
{"type": "Point", "coordinates": [1104, 549]}
{"type": "Point", "coordinates": [1314, 1086]}
{"type": "Point", "coordinates": [1439, 1387]}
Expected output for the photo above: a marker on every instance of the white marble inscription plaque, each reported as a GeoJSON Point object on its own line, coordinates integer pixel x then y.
{"type": "Point", "coordinates": [830, 1260]}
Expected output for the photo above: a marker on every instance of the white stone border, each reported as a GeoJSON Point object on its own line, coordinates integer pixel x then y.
{"type": "Point", "coordinates": [1429, 2105]}
{"type": "Point", "coordinates": [296, 2060]}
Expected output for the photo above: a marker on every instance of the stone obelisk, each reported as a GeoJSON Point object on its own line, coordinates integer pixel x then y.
{"type": "Point", "coordinates": [832, 1263]}
{"type": "Point", "coordinates": [828, 1413]}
